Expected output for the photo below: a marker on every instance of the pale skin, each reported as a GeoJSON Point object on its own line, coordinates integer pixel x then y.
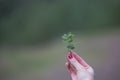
{"type": "Point", "coordinates": [78, 68]}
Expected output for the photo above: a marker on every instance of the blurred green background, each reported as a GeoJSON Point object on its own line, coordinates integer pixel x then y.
{"type": "Point", "coordinates": [31, 47]}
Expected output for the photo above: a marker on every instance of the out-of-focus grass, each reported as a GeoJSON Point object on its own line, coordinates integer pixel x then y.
{"type": "Point", "coordinates": [17, 61]}
{"type": "Point", "coordinates": [22, 60]}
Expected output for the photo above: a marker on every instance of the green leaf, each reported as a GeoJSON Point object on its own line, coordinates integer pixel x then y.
{"type": "Point", "coordinates": [68, 39]}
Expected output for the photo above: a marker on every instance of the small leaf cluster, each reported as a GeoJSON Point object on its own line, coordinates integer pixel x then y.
{"type": "Point", "coordinates": [68, 39]}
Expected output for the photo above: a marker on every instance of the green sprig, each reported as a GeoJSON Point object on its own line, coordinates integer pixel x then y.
{"type": "Point", "coordinates": [68, 39]}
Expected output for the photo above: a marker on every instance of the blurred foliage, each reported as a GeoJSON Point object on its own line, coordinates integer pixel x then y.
{"type": "Point", "coordinates": [33, 21]}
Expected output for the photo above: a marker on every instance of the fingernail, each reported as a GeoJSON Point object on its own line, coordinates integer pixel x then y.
{"type": "Point", "coordinates": [70, 56]}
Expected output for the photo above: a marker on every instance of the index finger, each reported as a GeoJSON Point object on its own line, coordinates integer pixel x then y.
{"type": "Point", "coordinates": [80, 60]}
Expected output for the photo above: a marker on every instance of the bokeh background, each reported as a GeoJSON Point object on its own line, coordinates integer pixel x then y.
{"type": "Point", "coordinates": [31, 46]}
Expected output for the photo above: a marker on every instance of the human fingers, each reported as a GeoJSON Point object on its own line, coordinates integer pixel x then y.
{"type": "Point", "coordinates": [74, 62]}
{"type": "Point", "coordinates": [80, 60]}
{"type": "Point", "coordinates": [83, 63]}
{"type": "Point", "coordinates": [71, 70]}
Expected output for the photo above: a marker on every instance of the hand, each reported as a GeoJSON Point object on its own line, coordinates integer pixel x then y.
{"type": "Point", "coordinates": [78, 68]}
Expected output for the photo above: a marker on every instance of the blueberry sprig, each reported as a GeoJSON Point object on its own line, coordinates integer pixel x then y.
{"type": "Point", "coordinates": [68, 39]}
